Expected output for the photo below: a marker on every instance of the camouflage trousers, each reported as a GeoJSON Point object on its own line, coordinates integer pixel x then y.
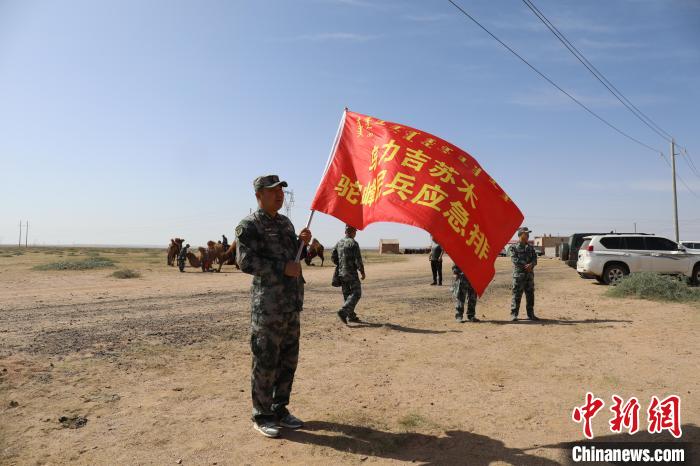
{"type": "Point", "coordinates": [462, 290]}
{"type": "Point", "coordinates": [352, 292]}
{"type": "Point", "coordinates": [523, 282]}
{"type": "Point", "coordinates": [274, 342]}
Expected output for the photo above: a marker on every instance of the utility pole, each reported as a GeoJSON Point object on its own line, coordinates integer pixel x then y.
{"type": "Point", "coordinates": [19, 243]}
{"type": "Point", "coordinates": [26, 235]}
{"type": "Point", "coordinates": [635, 227]}
{"type": "Point", "coordinates": [675, 194]}
{"type": "Point", "coordinates": [288, 202]}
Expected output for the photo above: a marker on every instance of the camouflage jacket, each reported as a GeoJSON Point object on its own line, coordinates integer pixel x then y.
{"type": "Point", "coordinates": [265, 245]}
{"type": "Point", "coordinates": [459, 275]}
{"type": "Point", "coordinates": [522, 255]}
{"type": "Point", "coordinates": [182, 255]}
{"type": "Point", "coordinates": [347, 256]}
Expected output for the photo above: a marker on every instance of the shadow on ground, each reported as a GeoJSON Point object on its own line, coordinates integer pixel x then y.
{"type": "Point", "coordinates": [523, 321]}
{"type": "Point", "coordinates": [455, 447]}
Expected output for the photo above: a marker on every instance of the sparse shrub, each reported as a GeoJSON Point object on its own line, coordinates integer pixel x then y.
{"type": "Point", "coordinates": [94, 262]}
{"type": "Point", "coordinates": [126, 273]}
{"type": "Point", "coordinates": [647, 285]}
{"type": "Point", "coordinates": [411, 421]}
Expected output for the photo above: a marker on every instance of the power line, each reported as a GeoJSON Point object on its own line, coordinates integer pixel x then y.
{"type": "Point", "coordinates": [545, 77]}
{"type": "Point", "coordinates": [608, 85]}
{"type": "Point", "coordinates": [689, 161]}
{"type": "Point", "coordinates": [679, 176]}
{"type": "Point", "coordinates": [597, 74]}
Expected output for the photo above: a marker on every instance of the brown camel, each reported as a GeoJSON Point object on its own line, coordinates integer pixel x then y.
{"type": "Point", "coordinates": [222, 256]}
{"type": "Point", "coordinates": [206, 258]}
{"type": "Point", "coordinates": [174, 249]}
{"type": "Point", "coordinates": [315, 249]}
{"type": "Point", "coordinates": [194, 260]}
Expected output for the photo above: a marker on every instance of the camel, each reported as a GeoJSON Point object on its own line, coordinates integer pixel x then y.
{"type": "Point", "coordinates": [214, 252]}
{"type": "Point", "coordinates": [315, 249]}
{"type": "Point", "coordinates": [222, 254]}
{"type": "Point", "coordinates": [174, 249]}
{"type": "Point", "coordinates": [194, 260]}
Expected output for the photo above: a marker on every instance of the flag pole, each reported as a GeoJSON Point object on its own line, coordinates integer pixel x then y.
{"type": "Point", "coordinates": [328, 164]}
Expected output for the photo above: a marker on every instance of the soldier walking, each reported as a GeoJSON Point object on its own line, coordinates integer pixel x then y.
{"type": "Point", "coordinates": [348, 259]}
{"type": "Point", "coordinates": [267, 248]}
{"type": "Point", "coordinates": [524, 260]}
{"type": "Point", "coordinates": [435, 258]}
{"type": "Point", "coordinates": [462, 290]}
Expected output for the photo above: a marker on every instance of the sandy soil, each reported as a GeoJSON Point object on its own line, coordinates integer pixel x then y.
{"type": "Point", "coordinates": [159, 367]}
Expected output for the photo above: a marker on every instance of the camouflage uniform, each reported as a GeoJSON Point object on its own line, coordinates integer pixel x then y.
{"type": "Point", "coordinates": [523, 281]}
{"type": "Point", "coordinates": [436, 262]}
{"type": "Point", "coordinates": [181, 257]}
{"type": "Point", "coordinates": [461, 290]}
{"type": "Point", "coordinates": [265, 245]}
{"type": "Point", "coordinates": [347, 256]}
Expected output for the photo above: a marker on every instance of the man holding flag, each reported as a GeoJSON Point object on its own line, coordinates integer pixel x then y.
{"type": "Point", "coordinates": [267, 249]}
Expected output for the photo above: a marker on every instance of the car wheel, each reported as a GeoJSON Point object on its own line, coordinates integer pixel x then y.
{"type": "Point", "coordinates": [695, 279]}
{"type": "Point", "coordinates": [613, 274]}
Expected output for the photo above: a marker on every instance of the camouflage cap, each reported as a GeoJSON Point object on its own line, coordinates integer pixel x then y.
{"type": "Point", "coordinates": [522, 230]}
{"type": "Point", "coordinates": [268, 181]}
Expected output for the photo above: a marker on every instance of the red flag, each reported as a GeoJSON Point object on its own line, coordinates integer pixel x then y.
{"type": "Point", "coordinates": [386, 172]}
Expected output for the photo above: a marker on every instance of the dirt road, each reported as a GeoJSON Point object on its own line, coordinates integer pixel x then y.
{"type": "Point", "coordinates": [159, 368]}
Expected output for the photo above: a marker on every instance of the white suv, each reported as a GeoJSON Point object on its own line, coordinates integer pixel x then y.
{"type": "Point", "coordinates": [692, 246]}
{"type": "Point", "coordinates": [608, 258]}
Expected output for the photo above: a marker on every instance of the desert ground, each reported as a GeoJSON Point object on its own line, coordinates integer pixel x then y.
{"type": "Point", "coordinates": [155, 370]}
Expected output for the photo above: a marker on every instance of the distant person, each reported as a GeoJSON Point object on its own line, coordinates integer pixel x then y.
{"type": "Point", "coordinates": [348, 260]}
{"type": "Point", "coordinates": [224, 242]}
{"type": "Point", "coordinates": [267, 249]}
{"type": "Point", "coordinates": [524, 260]}
{"type": "Point", "coordinates": [181, 257]}
{"type": "Point", "coordinates": [462, 290]}
{"type": "Point", "coordinates": [435, 258]}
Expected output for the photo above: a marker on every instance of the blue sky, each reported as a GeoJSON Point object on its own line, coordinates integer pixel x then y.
{"type": "Point", "coordinates": [131, 122]}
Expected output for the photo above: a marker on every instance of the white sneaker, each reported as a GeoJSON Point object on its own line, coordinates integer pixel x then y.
{"type": "Point", "coordinates": [267, 428]}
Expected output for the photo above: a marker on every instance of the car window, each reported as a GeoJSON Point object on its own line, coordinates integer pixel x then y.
{"type": "Point", "coordinates": [633, 242]}
{"type": "Point", "coordinates": [661, 244]}
{"type": "Point", "coordinates": [612, 242]}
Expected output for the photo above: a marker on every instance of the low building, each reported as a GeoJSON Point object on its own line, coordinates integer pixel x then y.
{"type": "Point", "coordinates": [551, 245]}
{"type": "Point", "coordinates": [389, 246]}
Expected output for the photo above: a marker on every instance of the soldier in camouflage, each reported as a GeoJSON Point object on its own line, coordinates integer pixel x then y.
{"type": "Point", "coordinates": [524, 260]}
{"type": "Point", "coordinates": [348, 260]}
{"type": "Point", "coordinates": [267, 248]}
{"type": "Point", "coordinates": [182, 257]}
{"type": "Point", "coordinates": [462, 290]}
